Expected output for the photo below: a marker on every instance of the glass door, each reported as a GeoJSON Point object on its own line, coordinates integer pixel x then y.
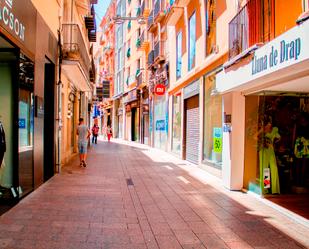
{"type": "Point", "coordinates": [25, 125]}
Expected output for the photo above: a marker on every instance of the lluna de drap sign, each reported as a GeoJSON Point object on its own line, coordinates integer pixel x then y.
{"type": "Point", "coordinates": [18, 18]}
{"type": "Point", "coordinates": [10, 20]}
{"type": "Point", "coordinates": [284, 51]}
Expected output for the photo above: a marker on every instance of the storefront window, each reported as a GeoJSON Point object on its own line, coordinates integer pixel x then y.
{"type": "Point", "coordinates": [212, 124]}
{"type": "Point", "coordinates": [160, 122]}
{"type": "Point", "coordinates": [26, 125]}
{"type": "Point", "coordinates": [176, 142]}
{"type": "Point", "coordinates": [277, 143]}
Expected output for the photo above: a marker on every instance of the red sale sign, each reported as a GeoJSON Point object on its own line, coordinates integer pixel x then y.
{"type": "Point", "coordinates": [159, 89]}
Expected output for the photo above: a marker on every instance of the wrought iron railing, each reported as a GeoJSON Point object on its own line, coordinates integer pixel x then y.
{"type": "Point", "coordinates": [74, 46]}
{"type": "Point", "coordinates": [250, 26]}
{"type": "Point", "coordinates": [158, 49]}
{"type": "Point", "coordinates": [151, 58]}
{"type": "Point", "coordinates": [158, 7]}
{"type": "Point", "coordinates": [140, 78]}
{"type": "Point", "coordinates": [150, 19]}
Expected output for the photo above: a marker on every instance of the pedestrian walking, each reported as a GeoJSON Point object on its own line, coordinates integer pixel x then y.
{"type": "Point", "coordinates": [95, 133]}
{"type": "Point", "coordinates": [104, 132]}
{"type": "Point", "coordinates": [83, 135]}
{"type": "Point", "coordinates": [109, 133]}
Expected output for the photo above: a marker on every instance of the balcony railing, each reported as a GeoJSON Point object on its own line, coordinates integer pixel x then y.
{"type": "Point", "coordinates": [150, 20]}
{"type": "Point", "coordinates": [74, 47]}
{"type": "Point", "coordinates": [247, 28]}
{"type": "Point", "coordinates": [159, 51]}
{"type": "Point", "coordinates": [145, 8]}
{"type": "Point", "coordinates": [150, 58]}
{"type": "Point", "coordinates": [158, 8]}
{"type": "Point", "coordinates": [140, 78]}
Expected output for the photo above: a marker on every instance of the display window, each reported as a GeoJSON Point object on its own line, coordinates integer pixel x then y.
{"type": "Point", "coordinates": [277, 144]}
{"type": "Point", "coordinates": [16, 142]}
{"type": "Point", "coordinates": [212, 154]}
{"type": "Point", "coordinates": [176, 138]}
{"type": "Point", "coordinates": [160, 122]}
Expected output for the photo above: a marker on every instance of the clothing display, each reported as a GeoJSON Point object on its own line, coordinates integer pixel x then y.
{"type": "Point", "coordinates": [2, 143]}
{"type": "Point", "coordinates": [268, 160]}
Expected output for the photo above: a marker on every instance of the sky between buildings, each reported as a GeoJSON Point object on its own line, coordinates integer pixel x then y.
{"type": "Point", "coordinates": [100, 10]}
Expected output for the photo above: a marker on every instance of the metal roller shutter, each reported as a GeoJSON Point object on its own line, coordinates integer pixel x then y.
{"type": "Point", "coordinates": [192, 129]}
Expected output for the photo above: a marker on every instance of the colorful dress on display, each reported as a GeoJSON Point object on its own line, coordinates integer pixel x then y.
{"type": "Point", "coordinates": [268, 160]}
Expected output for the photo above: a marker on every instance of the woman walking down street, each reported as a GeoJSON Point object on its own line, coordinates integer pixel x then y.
{"type": "Point", "coordinates": [95, 133]}
{"type": "Point", "coordinates": [109, 133]}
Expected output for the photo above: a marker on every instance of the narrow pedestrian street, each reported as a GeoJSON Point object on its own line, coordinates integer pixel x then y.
{"type": "Point", "coordinates": [133, 197]}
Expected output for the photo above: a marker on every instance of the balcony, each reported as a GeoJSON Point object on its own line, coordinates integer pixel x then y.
{"type": "Point", "coordinates": [76, 59]}
{"type": "Point", "coordinates": [139, 11]}
{"type": "Point", "coordinates": [159, 55]}
{"type": "Point", "coordinates": [143, 41]}
{"type": "Point", "coordinates": [247, 28]}
{"type": "Point", "coordinates": [151, 24]}
{"type": "Point", "coordinates": [159, 10]}
{"type": "Point", "coordinates": [150, 61]}
{"type": "Point", "coordinates": [141, 79]}
{"type": "Point", "coordinates": [145, 9]}
{"type": "Point", "coordinates": [174, 11]}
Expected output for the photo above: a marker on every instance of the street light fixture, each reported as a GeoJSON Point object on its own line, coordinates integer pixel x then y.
{"type": "Point", "coordinates": [121, 19]}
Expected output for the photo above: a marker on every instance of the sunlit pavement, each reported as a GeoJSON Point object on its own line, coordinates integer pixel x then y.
{"type": "Point", "coordinates": [130, 197]}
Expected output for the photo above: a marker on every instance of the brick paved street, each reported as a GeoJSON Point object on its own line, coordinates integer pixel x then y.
{"type": "Point", "coordinates": [163, 206]}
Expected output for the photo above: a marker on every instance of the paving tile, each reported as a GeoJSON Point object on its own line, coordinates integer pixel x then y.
{"type": "Point", "coordinates": [94, 208]}
{"type": "Point", "coordinates": [168, 242]}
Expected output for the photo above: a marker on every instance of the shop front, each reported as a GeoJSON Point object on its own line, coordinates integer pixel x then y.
{"type": "Point", "coordinates": [145, 116]}
{"type": "Point", "coordinates": [160, 108]}
{"type": "Point", "coordinates": [176, 124]}
{"type": "Point", "coordinates": [27, 86]}
{"type": "Point", "coordinates": [192, 122]}
{"type": "Point", "coordinates": [267, 100]}
{"type": "Point", "coordinates": [212, 135]}
{"type": "Point", "coordinates": [132, 108]}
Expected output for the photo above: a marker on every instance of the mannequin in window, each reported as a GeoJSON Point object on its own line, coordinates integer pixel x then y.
{"type": "Point", "coordinates": [267, 156]}
{"type": "Point", "coordinates": [301, 148]}
{"type": "Point", "coordinates": [2, 143]}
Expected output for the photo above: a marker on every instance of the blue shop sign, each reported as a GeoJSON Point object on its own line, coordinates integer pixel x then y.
{"type": "Point", "coordinates": [160, 125]}
{"type": "Point", "coordinates": [22, 123]}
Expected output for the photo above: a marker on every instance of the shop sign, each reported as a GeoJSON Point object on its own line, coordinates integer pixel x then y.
{"type": "Point", "coordinates": [120, 111]}
{"type": "Point", "coordinates": [287, 50]}
{"type": "Point", "coordinates": [131, 96]}
{"type": "Point", "coordinates": [152, 82]}
{"type": "Point", "coordinates": [22, 123]}
{"type": "Point", "coordinates": [161, 75]}
{"type": "Point", "coordinates": [10, 20]}
{"type": "Point", "coordinates": [217, 139]}
{"type": "Point", "coordinates": [134, 104]}
{"type": "Point", "coordinates": [160, 89]}
{"type": "Point", "coordinates": [160, 125]}
{"type": "Point", "coordinates": [128, 108]}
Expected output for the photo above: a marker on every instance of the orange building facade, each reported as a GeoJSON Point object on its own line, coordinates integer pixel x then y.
{"type": "Point", "coordinates": [221, 68]}
{"type": "Point", "coordinates": [105, 84]}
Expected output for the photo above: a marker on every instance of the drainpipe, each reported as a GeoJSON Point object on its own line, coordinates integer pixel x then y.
{"type": "Point", "coordinates": [59, 107]}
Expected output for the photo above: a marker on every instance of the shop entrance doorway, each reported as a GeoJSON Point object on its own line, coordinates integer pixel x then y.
{"type": "Point", "coordinates": [49, 121]}
{"type": "Point", "coordinates": [277, 148]}
{"type": "Point", "coordinates": [192, 129]}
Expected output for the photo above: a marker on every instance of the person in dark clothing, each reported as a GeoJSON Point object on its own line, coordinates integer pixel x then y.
{"type": "Point", "coordinates": [2, 143]}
